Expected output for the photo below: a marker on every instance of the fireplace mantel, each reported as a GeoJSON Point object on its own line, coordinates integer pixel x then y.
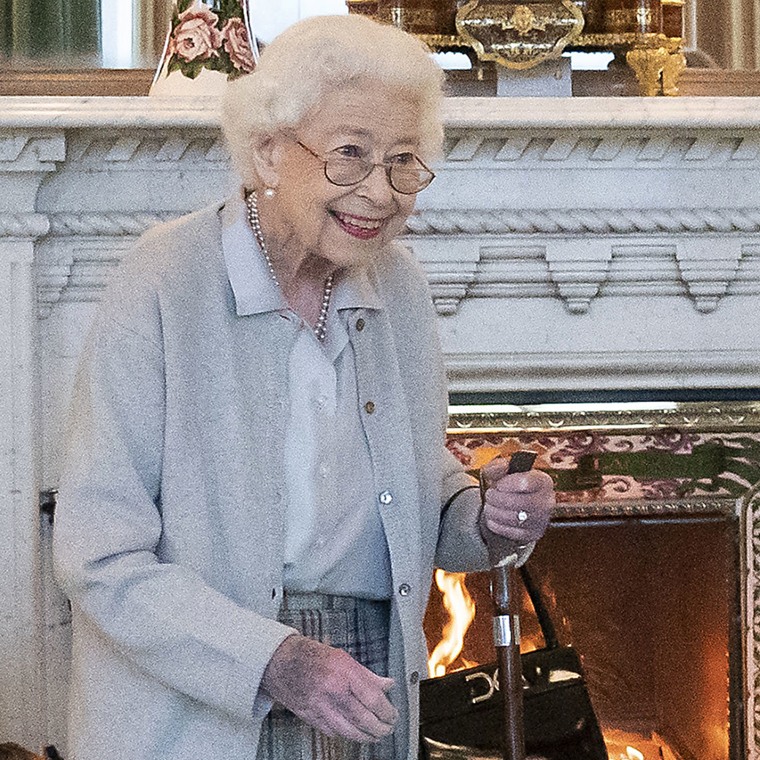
{"type": "Point", "coordinates": [571, 244]}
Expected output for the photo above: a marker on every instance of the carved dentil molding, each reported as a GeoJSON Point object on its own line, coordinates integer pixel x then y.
{"type": "Point", "coordinates": [76, 273]}
{"type": "Point", "coordinates": [581, 270]}
{"type": "Point", "coordinates": [159, 150]}
{"type": "Point", "coordinates": [28, 149]}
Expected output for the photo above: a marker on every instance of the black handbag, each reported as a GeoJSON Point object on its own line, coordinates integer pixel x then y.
{"type": "Point", "coordinates": [461, 714]}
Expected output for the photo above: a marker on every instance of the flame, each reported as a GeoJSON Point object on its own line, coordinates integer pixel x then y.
{"type": "Point", "coordinates": [629, 745]}
{"type": "Point", "coordinates": [461, 608]}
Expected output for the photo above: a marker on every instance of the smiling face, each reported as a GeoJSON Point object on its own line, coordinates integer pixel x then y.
{"type": "Point", "coordinates": [312, 223]}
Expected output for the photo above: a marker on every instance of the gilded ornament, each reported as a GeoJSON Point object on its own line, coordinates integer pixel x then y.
{"type": "Point", "coordinates": [671, 73]}
{"type": "Point", "coordinates": [523, 21]}
{"type": "Point", "coordinates": [519, 35]}
{"type": "Point", "coordinates": [648, 65]}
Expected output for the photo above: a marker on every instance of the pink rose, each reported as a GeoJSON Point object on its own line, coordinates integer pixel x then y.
{"type": "Point", "coordinates": [237, 44]}
{"type": "Point", "coordinates": [196, 35]}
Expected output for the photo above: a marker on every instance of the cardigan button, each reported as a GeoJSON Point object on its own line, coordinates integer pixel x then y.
{"type": "Point", "coordinates": [360, 323]}
{"type": "Point", "coordinates": [369, 407]}
{"type": "Point", "coordinates": [404, 589]}
{"type": "Point", "coordinates": [386, 497]}
{"type": "Point", "coordinates": [414, 676]}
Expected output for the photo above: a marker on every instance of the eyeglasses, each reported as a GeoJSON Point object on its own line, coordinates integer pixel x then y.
{"type": "Point", "coordinates": [406, 173]}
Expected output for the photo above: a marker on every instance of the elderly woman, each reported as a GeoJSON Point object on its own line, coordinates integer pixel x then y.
{"type": "Point", "coordinates": [257, 487]}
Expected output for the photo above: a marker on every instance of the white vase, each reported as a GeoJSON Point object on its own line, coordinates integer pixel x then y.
{"type": "Point", "coordinates": [208, 43]}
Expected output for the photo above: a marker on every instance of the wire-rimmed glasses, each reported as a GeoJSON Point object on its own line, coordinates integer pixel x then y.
{"type": "Point", "coordinates": [406, 173]}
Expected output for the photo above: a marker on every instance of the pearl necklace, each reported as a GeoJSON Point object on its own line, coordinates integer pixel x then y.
{"type": "Point", "coordinates": [320, 328]}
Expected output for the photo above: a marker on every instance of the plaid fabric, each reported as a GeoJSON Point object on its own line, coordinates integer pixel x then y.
{"type": "Point", "coordinates": [358, 626]}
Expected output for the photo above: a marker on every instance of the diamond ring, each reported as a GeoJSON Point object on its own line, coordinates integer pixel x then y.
{"type": "Point", "coordinates": [522, 516]}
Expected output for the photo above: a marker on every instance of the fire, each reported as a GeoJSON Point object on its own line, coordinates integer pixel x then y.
{"type": "Point", "coordinates": [627, 745]}
{"type": "Point", "coordinates": [461, 609]}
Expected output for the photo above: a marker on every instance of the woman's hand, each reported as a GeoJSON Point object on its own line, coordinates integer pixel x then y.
{"type": "Point", "coordinates": [331, 691]}
{"type": "Point", "coordinates": [517, 506]}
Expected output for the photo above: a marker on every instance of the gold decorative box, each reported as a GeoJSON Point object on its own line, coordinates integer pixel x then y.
{"type": "Point", "coordinates": [521, 35]}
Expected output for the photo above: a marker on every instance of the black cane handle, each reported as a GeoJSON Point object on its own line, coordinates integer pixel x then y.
{"type": "Point", "coordinates": [520, 461]}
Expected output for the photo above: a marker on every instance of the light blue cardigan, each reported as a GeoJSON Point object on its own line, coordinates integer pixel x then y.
{"type": "Point", "coordinates": [169, 529]}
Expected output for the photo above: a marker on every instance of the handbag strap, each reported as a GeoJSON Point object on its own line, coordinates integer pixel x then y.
{"type": "Point", "coordinates": [545, 621]}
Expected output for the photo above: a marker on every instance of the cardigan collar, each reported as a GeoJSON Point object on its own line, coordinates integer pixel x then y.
{"type": "Point", "coordinates": [250, 279]}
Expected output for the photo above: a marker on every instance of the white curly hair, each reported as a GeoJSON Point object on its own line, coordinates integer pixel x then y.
{"type": "Point", "coordinates": [322, 54]}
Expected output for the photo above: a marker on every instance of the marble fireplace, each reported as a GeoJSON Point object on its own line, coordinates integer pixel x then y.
{"type": "Point", "coordinates": [641, 569]}
{"type": "Point", "coordinates": [576, 248]}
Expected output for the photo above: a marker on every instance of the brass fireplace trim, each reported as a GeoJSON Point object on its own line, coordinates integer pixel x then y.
{"type": "Point", "coordinates": [751, 617]}
{"type": "Point", "coordinates": [730, 416]}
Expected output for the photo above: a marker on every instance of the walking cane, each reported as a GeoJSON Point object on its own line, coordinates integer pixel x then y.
{"type": "Point", "coordinates": [506, 624]}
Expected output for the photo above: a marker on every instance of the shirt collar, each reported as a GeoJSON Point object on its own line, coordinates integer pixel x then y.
{"type": "Point", "coordinates": [250, 279]}
{"type": "Point", "coordinates": [247, 270]}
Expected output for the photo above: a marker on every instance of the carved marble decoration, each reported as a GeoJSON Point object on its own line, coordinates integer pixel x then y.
{"type": "Point", "coordinates": [580, 221]}
{"type": "Point", "coordinates": [24, 160]}
{"type": "Point", "coordinates": [570, 244]}
{"type": "Point", "coordinates": [23, 226]}
{"type": "Point", "coordinates": [79, 276]}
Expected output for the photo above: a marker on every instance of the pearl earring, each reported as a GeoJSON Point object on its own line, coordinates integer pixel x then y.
{"type": "Point", "coordinates": [269, 192]}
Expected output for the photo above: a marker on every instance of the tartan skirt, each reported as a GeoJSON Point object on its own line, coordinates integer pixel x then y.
{"type": "Point", "coordinates": [359, 627]}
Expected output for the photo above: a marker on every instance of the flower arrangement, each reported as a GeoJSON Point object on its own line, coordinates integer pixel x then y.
{"type": "Point", "coordinates": [211, 35]}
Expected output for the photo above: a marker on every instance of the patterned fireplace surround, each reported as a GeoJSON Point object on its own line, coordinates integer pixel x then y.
{"type": "Point", "coordinates": [571, 245]}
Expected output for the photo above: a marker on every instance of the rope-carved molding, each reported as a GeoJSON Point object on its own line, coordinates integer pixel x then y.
{"type": "Point", "coordinates": [582, 221]}
{"type": "Point", "coordinates": [72, 270]}
{"type": "Point", "coordinates": [27, 226]}
{"type": "Point", "coordinates": [688, 149]}
{"type": "Point", "coordinates": [478, 222]}
{"type": "Point", "coordinates": [105, 224]}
